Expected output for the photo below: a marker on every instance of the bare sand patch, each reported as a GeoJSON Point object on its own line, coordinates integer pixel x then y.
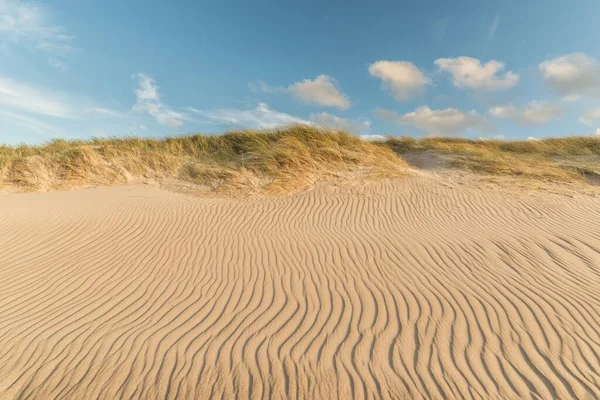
{"type": "Point", "coordinates": [412, 288]}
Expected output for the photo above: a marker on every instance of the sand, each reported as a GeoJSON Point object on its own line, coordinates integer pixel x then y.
{"type": "Point", "coordinates": [413, 288]}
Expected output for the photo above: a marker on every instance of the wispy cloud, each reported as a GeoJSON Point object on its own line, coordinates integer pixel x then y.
{"type": "Point", "coordinates": [23, 97]}
{"type": "Point", "coordinates": [260, 117]}
{"type": "Point", "coordinates": [149, 101]}
{"type": "Point", "coordinates": [321, 91]}
{"type": "Point", "coordinates": [30, 124]}
{"type": "Point", "coordinates": [30, 23]}
{"type": "Point", "coordinates": [58, 64]}
{"type": "Point", "coordinates": [103, 112]}
{"type": "Point", "coordinates": [493, 27]}
{"type": "Point", "coordinates": [20, 97]}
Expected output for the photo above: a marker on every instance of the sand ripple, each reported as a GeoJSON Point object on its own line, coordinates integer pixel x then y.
{"type": "Point", "coordinates": [407, 289]}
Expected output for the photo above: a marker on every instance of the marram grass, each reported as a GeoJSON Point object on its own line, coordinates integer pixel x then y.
{"type": "Point", "coordinates": [282, 160]}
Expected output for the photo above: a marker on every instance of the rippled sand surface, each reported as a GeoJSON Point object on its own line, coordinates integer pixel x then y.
{"type": "Point", "coordinates": [402, 289]}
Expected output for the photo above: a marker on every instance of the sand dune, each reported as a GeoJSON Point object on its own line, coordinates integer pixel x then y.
{"type": "Point", "coordinates": [400, 289]}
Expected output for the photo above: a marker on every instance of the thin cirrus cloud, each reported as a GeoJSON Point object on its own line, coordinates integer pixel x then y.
{"type": "Point", "coordinates": [59, 65]}
{"type": "Point", "coordinates": [333, 121]}
{"type": "Point", "coordinates": [446, 122]}
{"type": "Point", "coordinates": [534, 113]}
{"type": "Point", "coordinates": [31, 24]}
{"type": "Point", "coordinates": [402, 78]}
{"type": "Point", "coordinates": [493, 28]}
{"type": "Point", "coordinates": [23, 97]}
{"type": "Point", "coordinates": [30, 124]}
{"type": "Point", "coordinates": [470, 73]}
{"type": "Point", "coordinates": [321, 91]}
{"type": "Point", "coordinates": [262, 116]}
{"type": "Point", "coordinates": [572, 75]}
{"type": "Point", "coordinates": [149, 101]}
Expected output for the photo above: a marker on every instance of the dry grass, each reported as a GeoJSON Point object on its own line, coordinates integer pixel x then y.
{"type": "Point", "coordinates": [237, 163]}
{"type": "Point", "coordinates": [557, 159]}
{"type": "Point", "coordinates": [281, 161]}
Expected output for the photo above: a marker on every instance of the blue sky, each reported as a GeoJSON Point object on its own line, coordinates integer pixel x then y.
{"type": "Point", "coordinates": [511, 69]}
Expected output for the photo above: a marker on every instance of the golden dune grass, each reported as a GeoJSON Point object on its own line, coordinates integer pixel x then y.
{"type": "Point", "coordinates": [285, 160]}
{"type": "Point", "coordinates": [277, 161]}
{"type": "Point", "coordinates": [555, 159]}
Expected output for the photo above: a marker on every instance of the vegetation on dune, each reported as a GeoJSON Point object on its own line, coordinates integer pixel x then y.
{"type": "Point", "coordinates": [282, 160]}
{"type": "Point", "coordinates": [239, 163]}
{"type": "Point", "coordinates": [553, 159]}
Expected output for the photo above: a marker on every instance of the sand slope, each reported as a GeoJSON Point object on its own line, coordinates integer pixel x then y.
{"type": "Point", "coordinates": [401, 289]}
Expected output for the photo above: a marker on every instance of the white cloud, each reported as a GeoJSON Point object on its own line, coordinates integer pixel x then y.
{"type": "Point", "coordinates": [495, 137]}
{"type": "Point", "coordinates": [402, 78]}
{"type": "Point", "coordinates": [321, 91]}
{"type": "Point", "coordinates": [470, 73]}
{"type": "Point", "coordinates": [531, 138]}
{"type": "Point", "coordinates": [148, 100]}
{"type": "Point", "coordinates": [596, 132]}
{"type": "Point", "coordinates": [439, 122]}
{"type": "Point", "coordinates": [590, 117]}
{"type": "Point", "coordinates": [369, 138]}
{"type": "Point", "coordinates": [58, 64]}
{"type": "Point", "coordinates": [30, 23]}
{"type": "Point", "coordinates": [532, 114]}
{"type": "Point", "coordinates": [260, 117]}
{"type": "Point", "coordinates": [572, 75]}
{"type": "Point", "coordinates": [19, 96]}
{"type": "Point", "coordinates": [333, 121]}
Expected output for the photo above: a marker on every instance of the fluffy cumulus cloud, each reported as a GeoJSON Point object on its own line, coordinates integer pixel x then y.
{"type": "Point", "coordinates": [533, 113]}
{"type": "Point", "coordinates": [31, 24]}
{"type": "Point", "coordinates": [321, 91]}
{"type": "Point", "coordinates": [149, 101]}
{"type": "Point", "coordinates": [260, 117]}
{"type": "Point", "coordinates": [572, 75]}
{"type": "Point", "coordinates": [333, 121]}
{"type": "Point", "coordinates": [403, 79]}
{"type": "Point", "coordinates": [447, 122]}
{"type": "Point", "coordinates": [591, 117]}
{"type": "Point", "coordinates": [470, 73]}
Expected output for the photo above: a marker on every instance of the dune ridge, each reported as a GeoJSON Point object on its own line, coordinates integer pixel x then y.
{"type": "Point", "coordinates": [411, 288]}
{"type": "Point", "coordinates": [286, 160]}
